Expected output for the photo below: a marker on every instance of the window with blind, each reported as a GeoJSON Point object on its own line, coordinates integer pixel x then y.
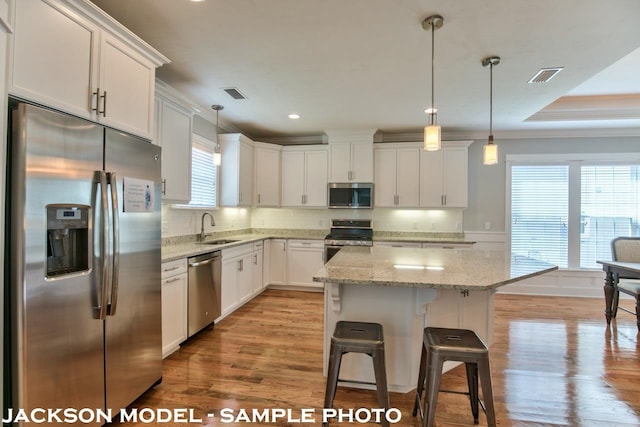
{"type": "Point", "coordinates": [597, 201]}
{"type": "Point", "coordinates": [204, 174]}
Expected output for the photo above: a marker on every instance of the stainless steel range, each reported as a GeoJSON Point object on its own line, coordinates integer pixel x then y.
{"type": "Point", "coordinates": [347, 232]}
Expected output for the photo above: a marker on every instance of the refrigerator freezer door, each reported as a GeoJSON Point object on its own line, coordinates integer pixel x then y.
{"type": "Point", "coordinates": [57, 340]}
{"type": "Point", "coordinates": [133, 337]}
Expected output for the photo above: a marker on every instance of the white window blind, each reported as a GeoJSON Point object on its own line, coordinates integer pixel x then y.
{"type": "Point", "coordinates": [539, 212]}
{"type": "Point", "coordinates": [610, 207]}
{"type": "Point", "coordinates": [203, 174]}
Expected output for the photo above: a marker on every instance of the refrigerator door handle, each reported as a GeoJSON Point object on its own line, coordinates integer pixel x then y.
{"type": "Point", "coordinates": [101, 181]}
{"type": "Point", "coordinates": [115, 235]}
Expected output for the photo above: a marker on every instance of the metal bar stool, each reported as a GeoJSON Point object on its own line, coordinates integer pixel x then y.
{"type": "Point", "coordinates": [461, 345]}
{"type": "Point", "coordinates": [358, 337]}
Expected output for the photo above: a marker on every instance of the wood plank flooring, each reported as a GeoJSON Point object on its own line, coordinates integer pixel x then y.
{"type": "Point", "coordinates": [554, 363]}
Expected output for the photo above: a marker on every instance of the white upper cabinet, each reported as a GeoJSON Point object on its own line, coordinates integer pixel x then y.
{"type": "Point", "coordinates": [304, 176]}
{"type": "Point", "coordinates": [351, 156]}
{"type": "Point", "coordinates": [266, 185]}
{"type": "Point", "coordinates": [75, 58]}
{"type": "Point", "coordinates": [443, 176]}
{"type": "Point", "coordinates": [236, 170]}
{"type": "Point", "coordinates": [397, 176]}
{"type": "Point", "coordinates": [173, 132]}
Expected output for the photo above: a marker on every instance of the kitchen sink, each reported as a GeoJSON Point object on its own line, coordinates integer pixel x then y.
{"type": "Point", "coordinates": [218, 242]}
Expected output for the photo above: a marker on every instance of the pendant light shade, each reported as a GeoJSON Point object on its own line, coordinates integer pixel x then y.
{"type": "Point", "coordinates": [432, 138]}
{"type": "Point", "coordinates": [490, 150]}
{"type": "Point", "coordinates": [217, 152]}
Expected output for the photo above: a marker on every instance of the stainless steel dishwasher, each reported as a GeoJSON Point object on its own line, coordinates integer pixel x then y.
{"type": "Point", "coordinates": [205, 280]}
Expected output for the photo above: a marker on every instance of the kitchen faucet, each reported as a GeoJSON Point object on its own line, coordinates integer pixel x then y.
{"type": "Point", "coordinates": [202, 234]}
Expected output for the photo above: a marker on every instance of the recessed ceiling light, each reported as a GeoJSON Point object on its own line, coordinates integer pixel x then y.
{"type": "Point", "coordinates": [294, 116]}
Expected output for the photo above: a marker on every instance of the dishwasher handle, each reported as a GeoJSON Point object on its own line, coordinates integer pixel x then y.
{"type": "Point", "coordinates": [199, 263]}
{"type": "Point", "coordinates": [203, 259]}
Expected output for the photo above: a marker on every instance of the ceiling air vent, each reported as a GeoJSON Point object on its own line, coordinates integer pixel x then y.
{"type": "Point", "coordinates": [234, 93]}
{"type": "Point", "coordinates": [545, 74]}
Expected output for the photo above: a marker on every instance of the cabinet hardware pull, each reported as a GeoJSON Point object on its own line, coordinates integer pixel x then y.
{"type": "Point", "coordinates": [97, 94]}
{"type": "Point", "coordinates": [173, 279]}
{"type": "Point", "coordinates": [164, 186]}
{"type": "Point", "coordinates": [104, 104]}
{"type": "Point", "coordinates": [258, 197]}
{"type": "Point", "coordinates": [171, 269]}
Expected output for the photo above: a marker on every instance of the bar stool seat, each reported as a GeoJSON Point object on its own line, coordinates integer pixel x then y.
{"type": "Point", "coordinates": [461, 345]}
{"type": "Point", "coordinates": [357, 337]}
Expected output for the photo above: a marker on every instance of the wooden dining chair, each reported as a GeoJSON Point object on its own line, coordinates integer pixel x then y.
{"type": "Point", "coordinates": [626, 249]}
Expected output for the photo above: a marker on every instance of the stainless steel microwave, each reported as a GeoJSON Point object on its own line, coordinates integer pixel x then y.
{"type": "Point", "coordinates": [350, 195]}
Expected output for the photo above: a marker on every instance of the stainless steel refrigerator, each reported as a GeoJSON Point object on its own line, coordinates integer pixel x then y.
{"type": "Point", "coordinates": [84, 263]}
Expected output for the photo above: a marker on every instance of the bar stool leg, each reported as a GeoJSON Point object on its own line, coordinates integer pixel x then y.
{"type": "Point", "coordinates": [335, 359]}
{"type": "Point", "coordinates": [487, 390]}
{"type": "Point", "coordinates": [421, 374]}
{"type": "Point", "coordinates": [472, 382]}
{"type": "Point", "coordinates": [434, 371]}
{"type": "Point", "coordinates": [381, 381]}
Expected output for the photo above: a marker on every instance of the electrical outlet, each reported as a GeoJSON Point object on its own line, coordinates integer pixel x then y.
{"type": "Point", "coordinates": [487, 225]}
{"type": "Point", "coordinates": [415, 225]}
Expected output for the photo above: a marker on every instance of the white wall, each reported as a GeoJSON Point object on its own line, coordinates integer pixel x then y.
{"type": "Point", "coordinates": [183, 222]}
{"type": "Point", "coordinates": [383, 219]}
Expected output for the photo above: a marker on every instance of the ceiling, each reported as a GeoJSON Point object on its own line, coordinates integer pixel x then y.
{"type": "Point", "coordinates": [366, 64]}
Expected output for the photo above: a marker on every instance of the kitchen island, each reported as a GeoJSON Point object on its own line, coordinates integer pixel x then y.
{"type": "Point", "coordinates": [407, 289]}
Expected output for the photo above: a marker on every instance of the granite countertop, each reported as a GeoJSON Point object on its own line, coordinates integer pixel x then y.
{"type": "Point", "coordinates": [174, 248]}
{"type": "Point", "coordinates": [429, 268]}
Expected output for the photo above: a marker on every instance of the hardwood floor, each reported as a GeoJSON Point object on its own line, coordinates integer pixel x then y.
{"type": "Point", "coordinates": [554, 363]}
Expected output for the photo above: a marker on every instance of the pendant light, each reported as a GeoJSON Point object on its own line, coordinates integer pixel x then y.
{"type": "Point", "coordinates": [217, 152]}
{"type": "Point", "coordinates": [490, 150]}
{"type": "Point", "coordinates": [432, 139]}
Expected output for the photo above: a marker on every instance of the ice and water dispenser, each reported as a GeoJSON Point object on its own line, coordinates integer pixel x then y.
{"type": "Point", "coordinates": [67, 239]}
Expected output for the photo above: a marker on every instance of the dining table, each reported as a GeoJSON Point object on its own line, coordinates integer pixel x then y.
{"type": "Point", "coordinates": [630, 270]}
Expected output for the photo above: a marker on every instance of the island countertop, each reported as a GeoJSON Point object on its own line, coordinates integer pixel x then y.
{"type": "Point", "coordinates": [437, 268]}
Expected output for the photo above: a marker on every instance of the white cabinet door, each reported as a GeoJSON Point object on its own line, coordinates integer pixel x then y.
{"type": "Point", "coordinates": [408, 178]}
{"type": "Point", "coordinates": [175, 136]}
{"type": "Point", "coordinates": [340, 162]}
{"type": "Point", "coordinates": [53, 50]}
{"type": "Point", "coordinates": [304, 260]}
{"type": "Point", "coordinates": [245, 278]}
{"type": "Point", "coordinates": [316, 179]}
{"type": "Point", "coordinates": [126, 82]}
{"type": "Point", "coordinates": [431, 175]}
{"type": "Point", "coordinates": [292, 178]}
{"type": "Point", "coordinates": [267, 175]}
{"type": "Point", "coordinates": [362, 161]}
{"type": "Point", "coordinates": [174, 305]}
{"type": "Point", "coordinates": [455, 181]}
{"type": "Point", "coordinates": [385, 178]}
{"type": "Point", "coordinates": [278, 262]}
{"type": "Point", "coordinates": [229, 297]}
{"type": "Point", "coordinates": [257, 269]}
{"type": "Point", "coordinates": [236, 170]}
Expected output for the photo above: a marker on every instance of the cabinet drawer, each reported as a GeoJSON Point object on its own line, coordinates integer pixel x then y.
{"type": "Point", "coordinates": [172, 268]}
{"type": "Point", "coordinates": [317, 244]}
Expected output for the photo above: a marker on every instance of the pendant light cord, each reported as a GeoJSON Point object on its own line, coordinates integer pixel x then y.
{"type": "Point", "coordinates": [491, 99]}
{"type": "Point", "coordinates": [432, 116]}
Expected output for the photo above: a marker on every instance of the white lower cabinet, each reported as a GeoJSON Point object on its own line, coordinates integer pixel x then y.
{"type": "Point", "coordinates": [304, 259]}
{"type": "Point", "coordinates": [470, 308]}
{"type": "Point", "coordinates": [278, 262]}
{"type": "Point", "coordinates": [174, 305]}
